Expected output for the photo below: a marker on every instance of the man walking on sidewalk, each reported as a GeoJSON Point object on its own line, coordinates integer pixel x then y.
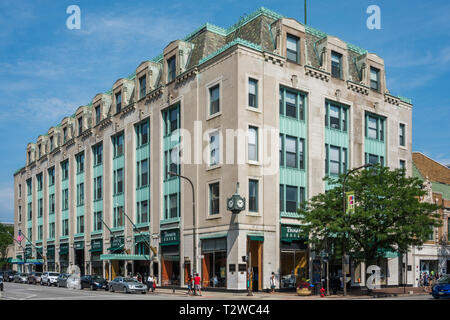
{"type": "Point", "coordinates": [197, 286]}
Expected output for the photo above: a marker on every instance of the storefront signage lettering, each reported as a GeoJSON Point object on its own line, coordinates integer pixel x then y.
{"type": "Point", "coordinates": [170, 235]}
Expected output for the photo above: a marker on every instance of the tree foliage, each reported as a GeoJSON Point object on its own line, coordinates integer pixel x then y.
{"type": "Point", "coordinates": [5, 239]}
{"type": "Point", "coordinates": [388, 217]}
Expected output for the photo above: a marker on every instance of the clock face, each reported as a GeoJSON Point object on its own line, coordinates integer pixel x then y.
{"type": "Point", "coordinates": [240, 203]}
{"type": "Point", "coordinates": [230, 203]}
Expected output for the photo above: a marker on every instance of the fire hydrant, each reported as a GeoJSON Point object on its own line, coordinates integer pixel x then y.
{"type": "Point", "coordinates": [322, 292]}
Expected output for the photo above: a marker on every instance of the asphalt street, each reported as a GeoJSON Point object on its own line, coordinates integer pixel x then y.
{"type": "Point", "coordinates": [17, 291]}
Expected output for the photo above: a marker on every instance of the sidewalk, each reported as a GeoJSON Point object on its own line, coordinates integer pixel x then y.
{"type": "Point", "coordinates": [352, 294]}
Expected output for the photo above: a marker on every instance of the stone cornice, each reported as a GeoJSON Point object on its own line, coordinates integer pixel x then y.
{"type": "Point", "coordinates": [275, 59]}
{"type": "Point", "coordinates": [186, 75]}
{"type": "Point", "coordinates": [391, 100]}
{"type": "Point", "coordinates": [359, 88]}
{"type": "Point", "coordinates": [316, 73]}
{"type": "Point", "coordinates": [155, 93]}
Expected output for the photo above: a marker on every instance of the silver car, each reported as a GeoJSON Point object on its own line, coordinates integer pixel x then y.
{"type": "Point", "coordinates": [127, 285]}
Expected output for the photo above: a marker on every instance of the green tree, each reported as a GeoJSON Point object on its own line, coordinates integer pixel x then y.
{"type": "Point", "coordinates": [388, 217]}
{"type": "Point", "coordinates": [5, 241]}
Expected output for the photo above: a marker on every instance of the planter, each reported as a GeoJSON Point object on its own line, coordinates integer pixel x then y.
{"type": "Point", "coordinates": [303, 292]}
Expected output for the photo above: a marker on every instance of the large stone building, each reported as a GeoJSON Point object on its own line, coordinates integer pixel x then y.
{"type": "Point", "coordinates": [268, 103]}
{"type": "Point", "coordinates": [434, 255]}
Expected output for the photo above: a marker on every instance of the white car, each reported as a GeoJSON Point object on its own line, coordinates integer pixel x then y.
{"type": "Point", "coordinates": [49, 278]}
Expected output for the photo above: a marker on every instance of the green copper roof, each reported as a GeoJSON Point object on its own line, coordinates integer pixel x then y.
{"type": "Point", "coordinates": [228, 45]}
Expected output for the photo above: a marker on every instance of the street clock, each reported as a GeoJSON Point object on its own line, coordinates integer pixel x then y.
{"type": "Point", "coordinates": [236, 203]}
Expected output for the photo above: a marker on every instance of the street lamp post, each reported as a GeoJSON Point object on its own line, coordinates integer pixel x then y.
{"type": "Point", "coordinates": [344, 280]}
{"type": "Point", "coordinates": [194, 242]}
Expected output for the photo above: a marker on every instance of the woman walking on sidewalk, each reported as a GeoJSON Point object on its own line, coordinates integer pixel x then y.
{"type": "Point", "coordinates": [150, 283]}
{"type": "Point", "coordinates": [189, 284]}
{"type": "Point", "coordinates": [273, 283]}
{"type": "Point", "coordinates": [197, 286]}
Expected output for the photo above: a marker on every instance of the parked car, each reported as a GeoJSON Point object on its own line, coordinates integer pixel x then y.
{"type": "Point", "coordinates": [442, 287]}
{"type": "Point", "coordinates": [21, 277]}
{"type": "Point", "coordinates": [127, 285]}
{"type": "Point", "coordinates": [34, 277]}
{"type": "Point", "coordinates": [1, 274]}
{"type": "Point", "coordinates": [49, 278]}
{"type": "Point", "coordinates": [93, 282]}
{"type": "Point", "coordinates": [9, 276]}
{"type": "Point", "coordinates": [62, 280]}
{"type": "Point", "coordinates": [1, 284]}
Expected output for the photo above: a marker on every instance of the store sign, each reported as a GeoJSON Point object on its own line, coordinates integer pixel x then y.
{"type": "Point", "coordinates": [291, 233]}
{"type": "Point", "coordinates": [78, 245]}
{"type": "Point", "coordinates": [168, 236]}
{"type": "Point", "coordinates": [97, 244]}
{"type": "Point", "coordinates": [117, 242]}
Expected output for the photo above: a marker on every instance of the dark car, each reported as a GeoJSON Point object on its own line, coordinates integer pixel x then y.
{"type": "Point", "coordinates": [9, 276]}
{"type": "Point", "coordinates": [62, 280]}
{"type": "Point", "coordinates": [441, 288]}
{"type": "Point", "coordinates": [34, 277]}
{"type": "Point", "coordinates": [1, 283]}
{"type": "Point", "coordinates": [93, 282]}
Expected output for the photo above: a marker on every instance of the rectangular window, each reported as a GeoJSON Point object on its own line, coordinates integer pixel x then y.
{"type": "Point", "coordinates": [336, 59]}
{"type": "Point", "coordinates": [173, 160]}
{"type": "Point", "coordinates": [98, 154]}
{"type": "Point", "coordinates": [281, 102]}
{"type": "Point", "coordinates": [375, 127]}
{"type": "Point", "coordinates": [65, 170]}
{"type": "Point", "coordinates": [118, 217]}
{"type": "Point", "coordinates": [281, 198]}
{"type": "Point", "coordinates": [118, 145]}
{"type": "Point", "coordinates": [51, 203]}
{"type": "Point", "coordinates": [29, 187]}
{"type": "Point", "coordinates": [402, 164]}
{"type": "Point", "coordinates": [118, 102]}
{"type": "Point", "coordinates": [98, 188]}
{"type": "Point", "coordinates": [80, 194]}
{"type": "Point", "coordinates": [253, 93]}
{"type": "Point", "coordinates": [98, 116]}
{"type": "Point", "coordinates": [20, 213]}
{"type": "Point", "coordinates": [39, 181]}
{"type": "Point", "coordinates": [281, 150]}
{"type": "Point", "coordinates": [80, 224]}
{"type": "Point", "coordinates": [40, 232]}
{"type": "Point", "coordinates": [291, 152]}
{"type": "Point", "coordinates": [253, 144]}
{"type": "Point", "coordinates": [214, 145]}
{"type": "Point", "coordinates": [80, 162]}
{"type": "Point", "coordinates": [292, 48]}
{"type": "Point", "coordinates": [292, 104]}
{"type": "Point", "coordinates": [142, 133]}
{"type": "Point", "coordinates": [171, 119]}
{"type": "Point", "coordinates": [40, 208]}
{"type": "Point", "coordinates": [401, 134]}
{"type": "Point", "coordinates": [30, 210]}
{"type": "Point", "coordinates": [142, 86]}
{"type": "Point", "coordinates": [374, 79]}
{"type": "Point", "coordinates": [118, 181]}
{"type": "Point", "coordinates": [51, 144]}
{"type": "Point", "coordinates": [80, 125]}
{"type": "Point", "coordinates": [51, 176]}
{"type": "Point", "coordinates": [253, 195]}
{"type": "Point", "coordinates": [214, 197]}
{"type": "Point", "coordinates": [142, 178]}
{"type": "Point", "coordinates": [336, 116]}
{"type": "Point", "coordinates": [20, 190]}
{"type": "Point", "coordinates": [142, 211]}
{"type": "Point", "coordinates": [30, 233]}
{"type": "Point", "coordinates": [334, 160]}
{"type": "Point", "coordinates": [214, 100]}
{"type": "Point", "coordinates": [372, 158]}
{"type": "Point", "coordinates": [171, 69]}
{"type": "Point", "coordinates": [173, 205]}
{"type": "Point", "coordinates": [291, 199]}
{"type": "Point", "coordinates": [98, 220]}
{"type": "Point", "coordinates": [51, 231]}
{"type": "Point", "coordinates": [65, 199]}
{"type": "Point", "coordinates": [65, 227]}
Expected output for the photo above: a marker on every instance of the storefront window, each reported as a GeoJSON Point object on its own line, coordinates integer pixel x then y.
{"type": "Point", "coordinates": [214, 264]}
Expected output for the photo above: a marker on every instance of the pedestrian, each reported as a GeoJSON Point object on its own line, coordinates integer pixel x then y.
{"type": "Point", "coordinates": [197, 285]}
{"type": "Point", "coordinates": [139, 277]}
{"type": "Point", "coordinates": [273, 282]}
{"type": "Point", "coordinates": [189, 284]}
{"type": "Point", "coordinates": [155, 280]}
{"type": "Point", "coordinates": [150, 283]}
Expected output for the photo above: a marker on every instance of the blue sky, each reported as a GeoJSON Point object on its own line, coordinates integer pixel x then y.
{"type": "Point", "coordinates": [47, 70]}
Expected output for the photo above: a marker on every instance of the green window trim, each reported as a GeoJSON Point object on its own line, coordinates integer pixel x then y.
{"type": "Point", "coordinates": [300, 107]}
{"type": "Point", "coordinates": [343, 111]}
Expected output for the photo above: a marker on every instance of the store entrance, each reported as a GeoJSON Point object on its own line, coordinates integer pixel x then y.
{"type": "Point", "coordinates": [79, 260]}
{"type": "Point", "coordinates": [254, 246]}
{"type": "Point", "coordinates": [170, 265]}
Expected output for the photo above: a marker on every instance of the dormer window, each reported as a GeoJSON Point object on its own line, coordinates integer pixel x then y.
{"type": "Point", "coordinates": [292, 48]}
{"type": "Point", "coordinates": [374, 79]}
{"type": "Point", "coordinates": [336, 65]}
{"type": "Point", "coordinates": [118, 102]}
{"type": "Point", "coordinates": [80, 125]}
{"type": "Point", "coordinates": [142, 86]}
{"type": "Point", "coordinates": [97, 114]}
{"type": "Point", "coordinates": [171, 69]}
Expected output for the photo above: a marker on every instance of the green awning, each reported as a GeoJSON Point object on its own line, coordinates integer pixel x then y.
{"type": "Point", "coordinates": [142, 238]}
{"type": "Point", "coordinates": [173, 243]}
{"type": "Point", "coordinates": [129, 257]}
{"type": "Point", "coordinates": [116, 248]}
{"type": "Point", "coordinates": [291, 233]}
{"type": "Point", "coordinates": [171, 257]}
{"type": "Point", "coordinates": [213, 236]}
{"type": "Point", "coordinates": [256, 237]}
{"type": "Point", "coordinates": [64, 249]}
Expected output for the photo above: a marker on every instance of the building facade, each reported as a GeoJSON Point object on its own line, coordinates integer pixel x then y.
{"type": "Point", "coordinates": [434, 255]}
{"type": "Point", "coordinates": [268, 103]}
